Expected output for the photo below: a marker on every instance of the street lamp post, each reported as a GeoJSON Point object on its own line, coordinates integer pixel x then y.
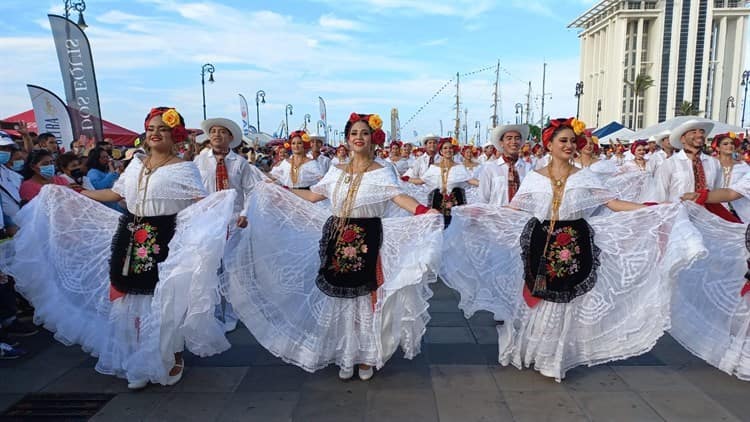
{"type": "Point", "coordinates": [306, 120]}
{"type": "Point", "coordinates": [329, 132]}
{"type": "Point", "coordinates": [598, 110]}
{"type": "Point", "coordinates": [207, 68]}
{"type": "Point", "coordinates": [260, 98]}
{"type": "Point", "coordinates": [578, 94]}
{"type": "Point", "coordinates": [730, 103]}
{"type": "Point", "coordinates": [478, 127]}
{"type": "Point", "coordinates": [745, 83]}
{"type": "Point", "coordinates": [287, 113]}
{"type": "Point", "coordinates": [321, 124]}
{"type": "Point", "coordinates": [519, 113]}
{"type": "Point", "coordinates": [79, 6]}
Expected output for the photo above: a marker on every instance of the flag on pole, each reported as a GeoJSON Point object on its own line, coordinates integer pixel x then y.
{"type": "Point", "coordinates": [245, 119]}
{"type": "Point", "coordinates": [322, 109]}
{"type": "Point", "coordinates": [51, 114]}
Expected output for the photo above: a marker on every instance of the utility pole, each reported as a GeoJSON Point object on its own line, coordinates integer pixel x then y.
{"type": "Point", "coordinates": [544, 93]}
{"type": "Point", "coordinates": [528, 104]}
{"type": "Point", "coordinates": [496, 95]}
{"type": "Point", "coordinates": [457, 130]}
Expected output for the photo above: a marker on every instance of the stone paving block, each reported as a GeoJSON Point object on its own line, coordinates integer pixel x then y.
{"type": "Point", "coordinates": [327, 380]}
{"type": "Point", "coordinates": [190, 407]}
{"type": "Point", "coordinates": [211, 380]}
{"type": "Point", "coordinates": [536, 406]}
{"type": "Point", "coordinates": [272, 379]}
{"type": "Point", "coordinates": [474, 406]}
{"type": "Point", "coordinates": [490, 353]}
{"type": "Point", "coordinates": [241, 337]}
{"type": "Point", "coordinates": [21, 381]}
{"type": "Point", "coordinates": [454, 378]}
{"type": "Point", "coordinates": [669, 351]}
{"type": "Point", "coordinates": [444, 305]}
{"type": "Point", "coordinates": [712, 380]}
{"type": "Point", "coordinates": [447, 319]}
{"type": "Point", "coordinates": [314, 406]}
{"type": "Point", "coordinates": [8, 400]}
{"type": "Point", "coordinates": [449, 335]}
{"type": "Point", "coordinates": [595, 379]}
{"type": "Point", "coordinates": [441, 291]}
{"type": "Point", "coordinates": [401, 405]}
{"type": "Point", "coordinates": [400, 378]}
{"type": "Point", "coordinates": [649, 378]}
{"type": "Point", "coordinates": [259, 406]}
{"type": "Point", "coordinates": [510, 378]}
{"type": "Point", "coordinates": [736, 403]}
{"type": "Point", "coordinates": [485, 335]}
{"type": "Point", "coordinates": [686, 406]}
{"type": "Point", "coordinates": [455, 354]}
{"type": "Point", "coordinates": [86, 380]}
{"type": "Point", "coordinates": [54, 357]}
{"type": "Point", "coordinates": [622, 406]}
{"type": "Point", "coordinates": [130, 407]}
{"type": "Point", "coordinates": [482, 319]}
{"type": "Point", "coordinates": [239, 355]}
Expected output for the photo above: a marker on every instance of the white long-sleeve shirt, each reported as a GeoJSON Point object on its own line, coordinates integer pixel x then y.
{"type": "Point", "coordinates": [493, 181]}
{"type": "Point", "coordinates": [242, 176]}
{"type": "Point", "coordinates": [674, 177]}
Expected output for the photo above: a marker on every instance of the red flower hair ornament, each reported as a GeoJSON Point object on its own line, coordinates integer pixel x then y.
{"type": "Point", "coordinates": [636, 144]}
{"type": "Point", "coordinates": [577, 126]}
{"type": "Point", "coordinates": [372, 120]}
{"type": "Point", "coordinates": [171, 118]}
{"type": "Point", "coordinates": [737, 138]}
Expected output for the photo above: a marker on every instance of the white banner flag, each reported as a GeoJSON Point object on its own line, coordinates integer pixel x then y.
{"type": "Point", "coordinates": [51, 115]}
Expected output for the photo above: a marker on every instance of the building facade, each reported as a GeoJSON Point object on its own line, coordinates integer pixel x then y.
{"type": "Point", "coordinates": [692, 50]}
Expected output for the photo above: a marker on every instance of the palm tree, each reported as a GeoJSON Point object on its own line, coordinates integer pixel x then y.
{"type": "Point", "coordinates": [686, 108]}
{"type": "Point", "coordinates": [642, 82]}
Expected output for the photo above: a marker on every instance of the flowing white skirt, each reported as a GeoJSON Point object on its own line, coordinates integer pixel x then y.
{"type": "Point", "coordinates": [270, 282]}
{"type": "Point", "coordinates": [60, 260]}
{"type": "Point", "coordinates": [709, 317]}
{"type": "Point", "coordinates": [622, 316]}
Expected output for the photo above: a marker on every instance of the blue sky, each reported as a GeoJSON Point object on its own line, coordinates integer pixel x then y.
{"type": "Point", "coordinates": [359, 55]}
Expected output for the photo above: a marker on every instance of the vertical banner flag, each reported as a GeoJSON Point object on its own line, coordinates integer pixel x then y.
{"type": "Point", "coordinates": [323, 116]}
{"type": "Point", "coordinates": [51, 115]}
{"type": "Point", "coordinates": [79, 78]}
{"type": "Point", "coordinates": [243, 111]}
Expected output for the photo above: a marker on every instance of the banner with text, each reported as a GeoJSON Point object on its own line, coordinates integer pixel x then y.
{"type": "Point", "coordinates": [245, 119]}
{"type": "Point", "coordinates": [79, 78]}
{"type": "Point", "coordinates": [51, 115]}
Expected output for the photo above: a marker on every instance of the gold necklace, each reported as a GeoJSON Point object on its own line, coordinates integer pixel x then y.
{"type": "Point", "coordinates": [148, 169]}
{"type": "Point", "coordinates": [295, 170]}
{"type": "Point", "coordinates": [444, 172]}
{"type": "Point", "coordinates": [350, 170]}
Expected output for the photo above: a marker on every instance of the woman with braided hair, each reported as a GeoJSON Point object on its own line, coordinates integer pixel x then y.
{"type": "Point", "coordinates": [343, 286]}
{"type": "Point", "coordinates": [133, 289]}
{"type": "Point", "coordinates": [578, 288]}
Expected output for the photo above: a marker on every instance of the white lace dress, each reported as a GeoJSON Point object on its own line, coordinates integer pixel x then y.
{"type": "Point", "coordinates": [710, 317]}
{"type": "Point", "coordinates": [60, 260]}
{"type": "Point", "coordinates": [633, 183]}
{"type": "Point", "coordinates": [272, 286]}
{"type": "Point", "coordinates": [622, 316]}
{"type": "Point", "coordinates": [458, 177]}
{"type": "Point", "coordinates": [309, 174]}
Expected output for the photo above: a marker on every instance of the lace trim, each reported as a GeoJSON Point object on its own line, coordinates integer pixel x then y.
{"type": "Point", "coordinates": [580, 288]}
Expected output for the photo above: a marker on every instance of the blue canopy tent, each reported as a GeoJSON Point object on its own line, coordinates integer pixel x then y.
{"type": "Point", "coordinates": [606, 130]}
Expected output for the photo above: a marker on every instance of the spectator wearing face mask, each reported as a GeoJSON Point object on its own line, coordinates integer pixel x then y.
{"type": "Point", "coordinates": [10, 181]}
{"type": "Point", "coordinates": [39, 171]}
{"type": "Point", "coordinates": [70, 169]}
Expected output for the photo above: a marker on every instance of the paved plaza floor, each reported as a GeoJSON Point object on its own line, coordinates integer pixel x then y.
{"type": "Point", "coordinates": [455, 378]}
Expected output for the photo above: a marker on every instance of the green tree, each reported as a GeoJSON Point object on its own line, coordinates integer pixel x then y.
{"type": "Point", "coordinates": [686, 108]}
{"type": "Point", "coordinates": [642, 82]}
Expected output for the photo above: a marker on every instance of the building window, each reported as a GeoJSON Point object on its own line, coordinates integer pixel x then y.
{"type": "Point", "coordinates": [718, 4]}
{"type": "Point", "coordinates": [633, 5]}
{"type": "Point", "coordinates": [650, 5]}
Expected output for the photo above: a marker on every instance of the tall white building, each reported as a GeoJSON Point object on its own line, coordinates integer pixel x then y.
{"type": "Point", "coordinates": [694, 50]}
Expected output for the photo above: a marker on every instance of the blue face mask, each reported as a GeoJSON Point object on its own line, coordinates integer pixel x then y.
{"type": "Point", "coordinates": [18, 165]}
{"type": "Point", "coordinates": [47, 171]}
{"type": "Point", "coordinates": [4, 157]}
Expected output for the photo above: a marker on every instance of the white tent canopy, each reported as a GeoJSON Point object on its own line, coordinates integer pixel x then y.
{"type": "Point", "coordinates": [622, 134]}
{"type": "Point", "coordinates": [719, 127]}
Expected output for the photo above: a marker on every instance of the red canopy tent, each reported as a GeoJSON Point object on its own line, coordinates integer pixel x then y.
{"type": "Point", "coordinates": [119, 135]}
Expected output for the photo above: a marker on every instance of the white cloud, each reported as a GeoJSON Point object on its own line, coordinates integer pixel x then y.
{"type": "Point", "coordinates": [463, 8]}
{"type": "Point", "coordinates": [330, 21]}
